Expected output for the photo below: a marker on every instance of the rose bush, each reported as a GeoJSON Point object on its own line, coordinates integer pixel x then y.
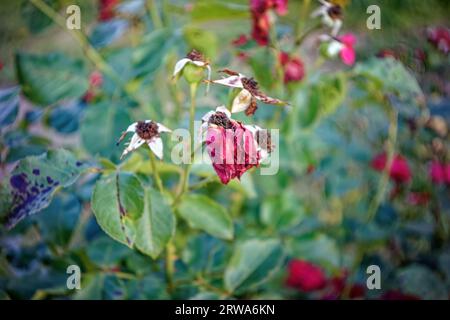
{"type": "Point", "coordinates": [355, 129]}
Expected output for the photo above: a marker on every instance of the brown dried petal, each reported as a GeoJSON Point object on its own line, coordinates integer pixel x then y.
{"type": "Point", "coordinates": [147, 130]}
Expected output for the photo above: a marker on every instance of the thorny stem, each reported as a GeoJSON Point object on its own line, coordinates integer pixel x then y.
{"type": "Point", "coordinates": [155, 172]}
{"type": "Point", "coordinates": [90, 52]}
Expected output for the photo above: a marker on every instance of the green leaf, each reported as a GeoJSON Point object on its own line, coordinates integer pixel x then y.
{"type": "Point", "coordinates": [319, 249]}
{"type": "Point", "coordinates": [34, 18]}
{"type": "Point", "coordinates": [253, 262]}
{"type": "Point", "coordinates": [205, 214]}
{"type": "Point", "coordinates": [389, 76]}
{"type": "Point", "coordinates": [102, 125]}
{"type": "Point", "coordinates": [205, 10]}
{"type": "Point", "coordinates": [321, 98]}
{"type": "Point", "coordinates": [9, 105]}
{"type": "Point", "coordinates": [148, 56]}
{"type": "Point", "coordinates": [117, 200]}
{"type": "Point", "coordinates": [32, 183]}
{"type": "Point", "coordinates": [156, 226]}
{"type": "Point", "coordinates": [47, 79]}
{"type": "Point", "coordinates": [422, 282]}
{"type": "Point", "coordinates": [262, 64]}
{"type": "Point", "coordinates": [282, 212]}
{"type": "Point", "coordinates": [107, 32]}
{"type": "Point", "coordinates": [132, 215]}
{"type": "Point", "coordinates": [105, 252]}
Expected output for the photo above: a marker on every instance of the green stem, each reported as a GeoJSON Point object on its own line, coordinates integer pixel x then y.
{"type": "Point", "coordinates": [170, 265]}
{"type": "Point", "coordinates": [184, 180]}
{"type": "Point", "coordinates": [390, 150]}
{"type": "Point", "coordinates": [153, 10]}
{"type": "Point", "coordinates": [155, 172]}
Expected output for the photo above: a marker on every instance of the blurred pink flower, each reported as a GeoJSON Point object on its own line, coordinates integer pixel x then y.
{"type": "Point", "coordinates": [399, 171]}
{"type": "Point", "coordinates": [337, 284]}
{"type": "Point", "coordinates": [347, 53]}
{"type": "Point", "coordinates": [95, 79]}
{"type": "Point", "coordinates": [293, 68]}
{"type": "Point", "coordinates": [305, 276]}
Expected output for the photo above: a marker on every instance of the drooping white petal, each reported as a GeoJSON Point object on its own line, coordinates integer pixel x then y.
{"type": "Point", "coordinates": [135, 143]}
{"type": "Point", "coordinates": [241, 101]}
{"type": "Point", "coordinates": [232, 81]}
{"type": "Point", "coordinates": [156, 145]}
{"type": "Point", "coordinates": [224, 110]}
{"type": "Point", "coordinates": [162, 128]}
{"type": "Point", "coordinates": [180, 65]}
{"type": "Point", "coordinates": [132, 127]}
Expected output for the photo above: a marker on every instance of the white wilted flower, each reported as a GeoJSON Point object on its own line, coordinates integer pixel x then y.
{"type": "Point", "coordinates": [148, 132]}
{"type": "Point", "coordinates": [246, 98]}
{"type": "Point", "coordinates": [331, 15]}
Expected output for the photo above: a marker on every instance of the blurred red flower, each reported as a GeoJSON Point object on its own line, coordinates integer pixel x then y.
{"type": "Point", "coordinates": [440, 172]}
{"type": "Point", "coordinates": [106, 9]}
{"type": "Point", "coordinates": [399, 171]}
{"type": "Point", "coordinates": [240, 41]}
{"type": "Point", "coordinates": [440, 38]}
{"type": "Point", "coordinates": [292, 67]}
{"type": "Point", "coordinates": [305, 276]}
{"type": "Point", "coordinates": [261, 19]}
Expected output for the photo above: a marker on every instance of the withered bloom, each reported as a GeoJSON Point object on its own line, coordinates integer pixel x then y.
{"type": "Point", "coordinates": [231, 146]}
{"type": "Point", "coordinates": [148, 132]}
{"type": "Point", "coordinates": [246, 99]}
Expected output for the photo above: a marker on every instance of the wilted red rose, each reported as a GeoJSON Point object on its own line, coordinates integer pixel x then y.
{"type": "Point", "coordinates": [399, 171]}
{"type": "Point", "coordinates": [232, 149]}
{"type": "Point", "coordinates": [106, 9]}
{"type": "Point", "coordinates": [305, 276]}
{"type": "Point", "coordinates": [292, 67]}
